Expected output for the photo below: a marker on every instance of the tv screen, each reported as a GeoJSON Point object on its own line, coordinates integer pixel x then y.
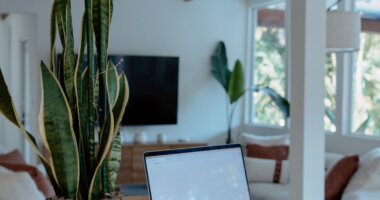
{"type": "Point", "coordinates": [153, 84]}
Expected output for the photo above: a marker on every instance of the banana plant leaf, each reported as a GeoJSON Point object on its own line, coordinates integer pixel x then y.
{"type": "Point", "coordinates": [330, 114]}
{"type": "Point", "coordinates": [57, 127]}
{"type": "Point", "coordinates": [219, 63]}
{"type": "Point", "coordinates": [236, 83]}
{"type": "Point", "coordinates": [280, 101]}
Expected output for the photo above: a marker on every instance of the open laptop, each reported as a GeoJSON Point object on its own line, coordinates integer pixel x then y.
{"type": "Point", "coordinates": [202, 173]}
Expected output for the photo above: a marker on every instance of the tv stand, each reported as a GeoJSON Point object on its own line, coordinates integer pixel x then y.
{"type": "Point", "coordinates": [132, 166]}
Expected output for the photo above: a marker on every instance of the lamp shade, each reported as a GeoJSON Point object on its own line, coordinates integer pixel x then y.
{"type": "Point", "coordinates": [343, 31]}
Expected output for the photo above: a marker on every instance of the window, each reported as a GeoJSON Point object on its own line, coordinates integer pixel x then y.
{"type": "Point", "coordinates": [269, 62]}
{"type": "Point", "coordinates": [270, 68]}
{"type": "Point", "coordinates": [330, 97]}
{"type": "Point", "coordinates": [366, 85]}
{"type": "Point", "coordinates": [359, 106]}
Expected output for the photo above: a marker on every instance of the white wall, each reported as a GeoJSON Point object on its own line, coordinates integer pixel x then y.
{"type": "Point", "coordinates": [189, 30]}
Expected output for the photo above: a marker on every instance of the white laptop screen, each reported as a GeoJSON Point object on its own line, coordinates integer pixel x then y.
{"type": "Point", "coordinates": [202, 175]}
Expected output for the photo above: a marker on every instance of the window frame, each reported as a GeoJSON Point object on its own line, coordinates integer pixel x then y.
{"type": "Point", "coordinates": [344, 79]}
{"type": "Point", "coordinates": [253, 7]}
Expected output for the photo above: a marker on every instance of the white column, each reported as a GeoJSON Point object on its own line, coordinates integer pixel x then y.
{"type": "Point", "coordinates": [308, 42]}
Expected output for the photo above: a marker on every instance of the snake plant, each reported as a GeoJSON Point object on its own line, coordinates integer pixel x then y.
{"type": "Point", "coordinates": [74, 99]}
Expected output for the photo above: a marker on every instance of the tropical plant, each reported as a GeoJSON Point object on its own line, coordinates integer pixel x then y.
{"type": "Point", "coordinates": [75, 98]}
{"type": "Point", "coordinates": [233, 84]}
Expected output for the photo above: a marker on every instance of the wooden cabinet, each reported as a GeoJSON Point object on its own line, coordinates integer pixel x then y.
{"type": "Point", "coordinates": [132, 169]}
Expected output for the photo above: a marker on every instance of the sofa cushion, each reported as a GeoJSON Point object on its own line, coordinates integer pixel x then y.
{"type": "Point", "coordinates": [269, 191]}
{"type": "Point", "coordinates": [18, 186]}
{"type": "Point", "coordinates": [339, 176]}
{"type": "Point", "coordinates": [367, 177]}
{"type": "Point", "coordinates": [263, 170]}
{"type": "Point", "coordinates": [265, 140]}
{"type": "Point", "coordinates": [277, 152]}
{"type": "Point", "coordinates": [331, 159]}
{"type": "Point", "coordinates": [362, 195]}
{"type": "Point", "coordinates": [12, 157]}
{"type": "Point", "coordinates": [42, 182]}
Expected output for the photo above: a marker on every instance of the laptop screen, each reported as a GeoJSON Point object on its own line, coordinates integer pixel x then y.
{"type": "Point", "coordinates": [203, 174]}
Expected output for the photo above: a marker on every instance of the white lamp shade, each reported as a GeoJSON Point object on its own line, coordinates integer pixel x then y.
{"type": "Point", "coordinates": [343, 31]}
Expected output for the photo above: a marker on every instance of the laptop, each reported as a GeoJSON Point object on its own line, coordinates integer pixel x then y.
{"type": "Point", "coordinates": [201, 173]}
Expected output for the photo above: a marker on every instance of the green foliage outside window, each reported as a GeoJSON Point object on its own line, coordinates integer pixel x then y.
{"type": "Point", "coordinates": [366, 86]}
{"type": "Point", "coordinates": [269, 72]}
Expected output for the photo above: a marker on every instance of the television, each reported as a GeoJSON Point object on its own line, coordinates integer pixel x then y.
{"type": "Point", "coordinates": [153, 84]}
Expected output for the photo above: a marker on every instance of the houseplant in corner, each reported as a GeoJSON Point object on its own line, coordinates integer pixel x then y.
{"type": "Point", "coordinates": [71, 94]}
{"type": "Point", "coordinates": [233, 84]}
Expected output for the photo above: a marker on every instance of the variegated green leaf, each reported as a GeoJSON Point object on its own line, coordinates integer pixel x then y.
{"type": "Point", "coordinates": [58, 129]}
{"type": "Point", "coordinates": [60, 11]}
{"type": "Point", "coordinates": [7, 109]}
{"type": "Point", "coordinates": [105, 140]}
{"type": "Point", "coordinates": [53, 37]}
{"type": "Point", "coordinates": [114, 161]}
{"type": "Point", "coordinates": [69, 58]}
{"type": "Point", "coordinates": [90, 83]}
{"type": "Point", "coordinates": [113, 83]}
{"type": "Point", "coordinates": [122, 100]}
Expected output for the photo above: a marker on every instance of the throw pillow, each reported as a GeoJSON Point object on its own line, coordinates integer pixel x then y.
{"type": "Point", "coordinates": [264, 170]}
{"type": "Point", "coordinates": [12, 157]}
{"type": "Point", "coordinates": [367, 176]}
{"type": "Point", "coordinates": [331, 159]}
{"type": "Point", "coordinates": [18, 186]}
{"type": "Point", "coordinates": [339, 176]}
{"type": "Point", "coordinates": [42, 182]}
{"type": "Point", "coordinates": [279, 152]}
{"type": "Point", "coordinates": [265, 140]}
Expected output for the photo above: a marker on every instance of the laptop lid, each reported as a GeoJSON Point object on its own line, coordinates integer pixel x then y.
{"type": "Point", "coordinates": [205, 173]}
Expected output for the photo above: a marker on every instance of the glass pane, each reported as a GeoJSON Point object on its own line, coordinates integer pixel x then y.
{"type": "Point", "coordinates": [269, 61]}
{"type": "Point", "coordinates": [330, 98]}
{"type": "Point", "coordinates": [366, 107]}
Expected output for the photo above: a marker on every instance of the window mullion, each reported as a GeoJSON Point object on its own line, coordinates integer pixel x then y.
{"type": "Point", "coordinates": [345, 65]}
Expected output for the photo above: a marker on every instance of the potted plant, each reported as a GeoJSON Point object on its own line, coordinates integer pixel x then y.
{"type": "Point", "coordinates": [233, 84]}
{"type": "Point", "coordinates": [71, 94]}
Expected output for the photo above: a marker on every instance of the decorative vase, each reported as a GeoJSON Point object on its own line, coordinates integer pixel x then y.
{"type": "Point", "coordinates": [161, 138]}
{"type": "Point", "coordinates": [140, 138]}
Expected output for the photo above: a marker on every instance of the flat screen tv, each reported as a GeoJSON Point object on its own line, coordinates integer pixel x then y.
{"type": "Point", "coordinates": [153, 83]}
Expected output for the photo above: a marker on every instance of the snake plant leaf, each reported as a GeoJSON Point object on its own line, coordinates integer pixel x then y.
{"type": "Point", "coordinates": [69, 59]}
{"type": "Point", "coordinates": [122, 100]}
{"type": "Point", "coordinates": [219, 63]}
{"type": "Point", "coordinates": [113, 83]}
{"type": "Point", "coordinates": [90, 83]}
{"type": "Point", "coordinates": [236, 83]}
{"type": "Point", "coordinates": [8, 110]}
{"type": "Point", "coordinates": [280, 101]}
{"type": "Point", "coordinates": [53, 37]}
{"type": "Point", "coordinates": [57, 125]}
{"type": "Point", "coordinates": [105, 140]}
{"type": "Point", "coordinates": [102, 15]}
{"type": "Point", "coordinates": [363, 126]}
{"type": "Point", "coordinates": [114, 161]}
{"type": "Point", "coordinates": [60, 12]}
